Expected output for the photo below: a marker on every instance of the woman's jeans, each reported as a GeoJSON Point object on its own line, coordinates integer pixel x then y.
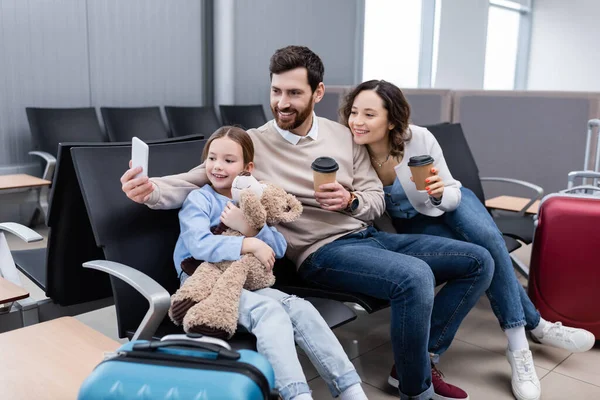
{"type": "Point", "coordinates": [278, 320]}
{"type": "Point", "coordinates": [405, 270]}
{"type": "Point", "coordinates": [472, 222]}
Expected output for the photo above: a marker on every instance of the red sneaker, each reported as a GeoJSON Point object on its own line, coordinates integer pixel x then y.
{"type": "Point", "coordinates": [443, 390]}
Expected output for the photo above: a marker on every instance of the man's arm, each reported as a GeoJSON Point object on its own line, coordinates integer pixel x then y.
{"type": "Point", "coordinates": [366, 187]}
{"type": "Point", "coordinates": [165, 192]}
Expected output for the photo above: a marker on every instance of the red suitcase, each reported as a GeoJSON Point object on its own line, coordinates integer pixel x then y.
{"type": "Point", "coordinates": [564, 278]}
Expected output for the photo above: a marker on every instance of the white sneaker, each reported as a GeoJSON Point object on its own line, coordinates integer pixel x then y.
{"type": "Point", "coordinates": [525, 383]}
{"type": "Point", "coordinates": [564, 337]}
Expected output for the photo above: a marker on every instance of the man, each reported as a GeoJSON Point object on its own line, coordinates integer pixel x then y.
{"type": "Point", "coordinates": [333, 244]}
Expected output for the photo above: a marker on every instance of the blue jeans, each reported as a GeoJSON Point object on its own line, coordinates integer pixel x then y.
{"type": "Point", "coordinates": [405, 269]}
{"type": "Point", "coordinates": [471, 222]}
{"type": "Point", "coordinates": [278, 320]}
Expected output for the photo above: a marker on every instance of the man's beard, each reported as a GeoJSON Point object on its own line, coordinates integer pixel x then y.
{"type": "Point", "coordinates": [296, 122]}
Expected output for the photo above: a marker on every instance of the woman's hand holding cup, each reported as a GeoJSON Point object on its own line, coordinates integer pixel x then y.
{"type": "Point", "coordinates": [425, 175]}
{"type": "Point", "coordinates": [434, 184]}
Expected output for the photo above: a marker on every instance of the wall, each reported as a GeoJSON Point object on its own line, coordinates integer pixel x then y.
{"type": "Point", "coordinates": [462, 41]}
{"type": "Point", "coordinates": [248, 32]}
{"type": "Point", "coordinates": [70, 53]}
{"type": "Point", "coordinates": [564, 46]}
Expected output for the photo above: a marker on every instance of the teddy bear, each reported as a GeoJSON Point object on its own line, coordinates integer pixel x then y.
{"type": "Point", "coordinates": [208, 301]}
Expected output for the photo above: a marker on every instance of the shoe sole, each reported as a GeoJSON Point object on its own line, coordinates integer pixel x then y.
{"type": "Point", "coordinates": [524, 398]}
{"type": "Point", "coordinates": [395, 383]}
{"type": "Point", "coordinates": [572, 350]}
{"type": "Point", "coordinates": [438, 397]}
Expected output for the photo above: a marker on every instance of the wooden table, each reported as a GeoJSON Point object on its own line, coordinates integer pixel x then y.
{"type": "Point", "coordinates": [10, 292]}
{"type": "Point", "coordinates": [49, 360]}
{"type": "Point", "coordinates": [23, 188]}
{"type": "Point", "coordinates": [511, 203]}
{"type": "Point", "coordinates": [21, 181]}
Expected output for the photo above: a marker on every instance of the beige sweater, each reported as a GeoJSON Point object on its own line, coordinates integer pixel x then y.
{"type": "Point", "coordinates": [288, 165]}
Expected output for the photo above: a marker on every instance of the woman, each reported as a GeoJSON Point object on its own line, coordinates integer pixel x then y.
{"type": "Point", "coordinates": [377, 113]}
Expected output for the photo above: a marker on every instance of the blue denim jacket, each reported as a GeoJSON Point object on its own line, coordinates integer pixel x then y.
{"type": "Point", "coordinates": [202, 210]}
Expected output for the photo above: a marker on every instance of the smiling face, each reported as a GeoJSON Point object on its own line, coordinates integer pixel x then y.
{"type": "Point", "coordinates": [368, 119]}
{"type": "Point", "coordinates": [292, 100]}
{"type": "Point", "coordinates": [225, 160]}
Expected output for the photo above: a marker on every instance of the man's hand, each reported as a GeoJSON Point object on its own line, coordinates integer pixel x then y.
{"type": "Point", "coordinates": [234, 218]}
{"type": "Point", "coordinates": [333, 197]}
{"type": "Point", "coordinates": [137, 189]}
{"type": "Point", "coordinates": [261, 250]}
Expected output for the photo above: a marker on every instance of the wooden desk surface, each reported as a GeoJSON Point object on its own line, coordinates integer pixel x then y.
{"type": "Point", "coordinates": [49, 360]}
{"type": "Point", "coordinates": [18, 181]}
{"type": "Point", "coordinates": [511, 203]}
{"type": "Point", "coordinates": [10, 292]}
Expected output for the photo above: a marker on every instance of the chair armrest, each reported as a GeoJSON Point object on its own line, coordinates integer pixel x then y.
{"type": "Point", "coordinates": [536, 188]}
{"type": "Point", "coordinates": [21, 231]}
{"type": "Point", "coordinates": [50, 163]}
{"type": "Point", "coordinates": [159, 299]}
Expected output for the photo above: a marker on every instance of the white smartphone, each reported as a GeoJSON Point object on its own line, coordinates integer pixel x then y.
{"type": "Point", "coordinates": [139, 156]}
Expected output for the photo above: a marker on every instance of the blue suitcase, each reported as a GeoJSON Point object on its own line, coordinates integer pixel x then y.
{"type": "Point", "coordinates": [180, 369]}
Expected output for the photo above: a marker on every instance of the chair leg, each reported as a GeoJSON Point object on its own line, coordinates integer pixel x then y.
{"type": "Point", "coordinates": [518, 264]}
{"type": "Point", "coordinates": [29, 311]}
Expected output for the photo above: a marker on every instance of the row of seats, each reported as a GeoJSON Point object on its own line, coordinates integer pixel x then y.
{"type": "Point", "coordinates": [91, 219]}
{"type": "Point", "coordinates": [51, 126]}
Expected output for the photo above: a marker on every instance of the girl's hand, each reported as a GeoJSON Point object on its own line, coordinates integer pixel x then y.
{"type": "Point", "coordinates": [265, 254]}
{"type": "Point", "coordinates": [435, 185]}
{"type": "Point", "coordinates": [234, 218]}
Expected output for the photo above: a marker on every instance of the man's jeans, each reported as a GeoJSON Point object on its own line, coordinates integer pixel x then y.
{"type": "Point", "coordinates": [471, 222]}
{"type": "Point", "coordinates": [278, 320]}
{"type": "Point", "coordinates": [405, 270]}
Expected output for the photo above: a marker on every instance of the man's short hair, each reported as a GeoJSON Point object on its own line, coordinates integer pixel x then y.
{"type": "Point", "coordinates": [292, 57]}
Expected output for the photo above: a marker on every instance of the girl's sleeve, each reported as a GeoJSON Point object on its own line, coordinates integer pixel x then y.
{"type": "Point", "coordinates": [274, 239]}
{"type": "Point", "coordinates": [194, 222]}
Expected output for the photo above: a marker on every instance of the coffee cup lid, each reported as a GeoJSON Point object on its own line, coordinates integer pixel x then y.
{"type": "Point", "coordinates": [325, 165]}
{"type": "Point", "coordinates": [419, 161]}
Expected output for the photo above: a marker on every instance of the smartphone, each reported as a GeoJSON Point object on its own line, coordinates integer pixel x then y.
{"type": "Point", "coordinates": [139, 156]}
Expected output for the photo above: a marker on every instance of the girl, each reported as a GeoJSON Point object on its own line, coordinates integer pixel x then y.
{"type": "Point", "coordinates": [275, 318]}
{"type": "Point", "coordinates": [377, 114]}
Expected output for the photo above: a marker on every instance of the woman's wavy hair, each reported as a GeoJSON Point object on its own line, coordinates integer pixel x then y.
{"type": "Point", "coordinates": [396, 105]}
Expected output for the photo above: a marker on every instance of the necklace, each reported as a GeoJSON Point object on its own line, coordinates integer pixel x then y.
{"type": "Point", "coordinates": [380, 164]}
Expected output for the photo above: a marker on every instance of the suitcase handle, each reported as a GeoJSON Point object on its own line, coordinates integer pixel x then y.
{"type": "Point", "coordinates": [583, 188]}
{"type": "Point", "coordinates": [222, 353]}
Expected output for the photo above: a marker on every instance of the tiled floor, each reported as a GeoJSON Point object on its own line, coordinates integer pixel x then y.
{"type": "Point", "coordinates": [475, 362]}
